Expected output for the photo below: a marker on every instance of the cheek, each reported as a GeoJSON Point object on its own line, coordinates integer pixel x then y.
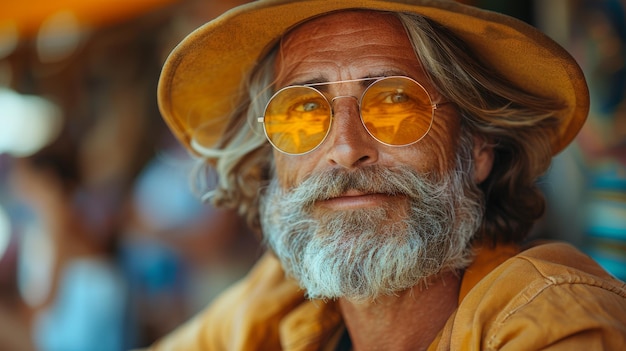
{"type": "Point", "coordinates": [425, 159]}
{"type": "Point", "coordinates": [443, 147]}
{"type": "Point", "coordinates": [437, 150]}
{"type": "Point", "coordinates": [288, 169]}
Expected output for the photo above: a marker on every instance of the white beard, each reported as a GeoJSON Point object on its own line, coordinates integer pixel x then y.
{"type": "Point", "coordinates": [362, 254]}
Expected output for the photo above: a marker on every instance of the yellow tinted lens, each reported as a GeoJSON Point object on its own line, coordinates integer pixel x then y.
{"type": "Point", "coordinates": [397, 111]}
{"type": "Point", "coordinates": [297, 119]}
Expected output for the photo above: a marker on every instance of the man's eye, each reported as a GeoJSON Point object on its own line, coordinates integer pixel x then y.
{"type": "Point", "coordinates": [307, 106]}
{"type": "Point", "coordinates": [397, 97]}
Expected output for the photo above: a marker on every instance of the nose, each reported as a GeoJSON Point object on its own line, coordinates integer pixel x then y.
{"type": "Point", "coordinates": [350, 145]}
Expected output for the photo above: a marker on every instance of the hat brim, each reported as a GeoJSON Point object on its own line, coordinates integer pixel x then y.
{"type": "Point", "coordinates": [202, 76]}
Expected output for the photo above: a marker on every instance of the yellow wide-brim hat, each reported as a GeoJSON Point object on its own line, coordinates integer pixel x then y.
{"type": "Point", "coordinates": [202, 77]}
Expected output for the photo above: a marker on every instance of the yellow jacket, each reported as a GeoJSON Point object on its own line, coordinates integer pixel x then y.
{"type": "Point", "coordinates": [550, 296]}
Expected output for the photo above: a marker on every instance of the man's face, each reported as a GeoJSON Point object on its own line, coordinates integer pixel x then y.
{"type": "Point", "coordinates": [354, 217]}
{"type": "Point", "coordinates": [353, 45]}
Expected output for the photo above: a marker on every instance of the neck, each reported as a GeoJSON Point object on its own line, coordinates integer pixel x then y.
{"type": "Point", "coordinates": [408, 321]}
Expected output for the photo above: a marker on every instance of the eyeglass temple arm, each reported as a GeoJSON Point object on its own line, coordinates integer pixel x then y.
{"type": "Point", "coordinates": [436, 105]}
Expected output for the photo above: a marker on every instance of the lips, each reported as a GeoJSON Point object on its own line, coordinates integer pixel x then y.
{"type": "Point", "coordinates": [353, 199]}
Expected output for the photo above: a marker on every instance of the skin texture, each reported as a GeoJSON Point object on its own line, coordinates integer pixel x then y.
{"type": "Point", "coordinates": [352, 45]}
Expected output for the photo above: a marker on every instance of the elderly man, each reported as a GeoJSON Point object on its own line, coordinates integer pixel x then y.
{"type": "Point", "coordinates": [387, 151]}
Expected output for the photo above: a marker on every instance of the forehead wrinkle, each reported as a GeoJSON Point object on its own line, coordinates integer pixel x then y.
{"type": "Point", "coordinates": [329, 48]}
{"type": "Point", "coordinates": [314, 27]}
{"type": "Point", "coordinates": [305, 58]}
{"type": "Point", "coordinates": [310, 73]}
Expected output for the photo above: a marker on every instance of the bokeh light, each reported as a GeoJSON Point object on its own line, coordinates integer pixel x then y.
{"type": "Point", "coordinates": [59, 36]}
{"type": "Point", "coordinates": [28, 123]}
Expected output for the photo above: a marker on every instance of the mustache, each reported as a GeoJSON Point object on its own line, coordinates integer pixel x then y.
{"type": "Point", "coordinates": [400, 180]}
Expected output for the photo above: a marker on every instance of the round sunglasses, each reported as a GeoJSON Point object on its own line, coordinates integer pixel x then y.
{"type": "Point", "coordinates": [395, 110]}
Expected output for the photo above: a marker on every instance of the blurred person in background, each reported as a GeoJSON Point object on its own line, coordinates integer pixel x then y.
{"type": "Point", "coordinates": [388, 152]}
{"type": "Point", "coordinates": [67, 272]}
{"type": "Point", "coordinates": [95, 261]}
{"type": "Point", "coordinates": [71, 194]}
{"type": "Point", "coordinates": [14, 333]}
{"type": "Point", "coordinates": [178, 254]}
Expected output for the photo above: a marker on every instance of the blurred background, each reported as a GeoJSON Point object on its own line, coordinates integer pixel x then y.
{"type": "Point", "coordinates": [103, 244]}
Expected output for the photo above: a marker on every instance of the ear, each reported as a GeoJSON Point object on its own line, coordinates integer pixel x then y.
{"type": "Point", "coordinates": [483, 159]}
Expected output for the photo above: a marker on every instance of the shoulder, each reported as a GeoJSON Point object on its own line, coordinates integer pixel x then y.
{"type": "Point", "coordinates": [246, 314]}
{"type": "Point", "coordinates": [547, 295]}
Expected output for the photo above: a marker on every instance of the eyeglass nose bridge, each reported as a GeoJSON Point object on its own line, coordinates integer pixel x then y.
{"type": "Point", "coordinates": [344, 96]}
{"type": "Point", "coordinates": [332, 102]}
